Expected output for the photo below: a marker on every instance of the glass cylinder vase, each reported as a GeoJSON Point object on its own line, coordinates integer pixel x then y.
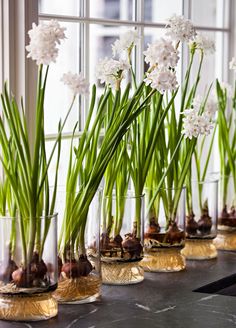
{"type": "Point", "coordinates": [226, 236]}
{"type": "Point", "coordinates": [28, 268]}
{"type": "Point", "coordinates": [201, 220]}
{"type": "Point", "coordinates": [79, 250]}
{"type": "Point", "coordinates": [122, 239]}
{"type": "Point", "coordinates": [164, 234]}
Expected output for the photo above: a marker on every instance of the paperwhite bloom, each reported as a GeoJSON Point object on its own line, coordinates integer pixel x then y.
{"type": "Point", "coordinates": [195, 124]}
{"type": "Point", "coordinates": [162, 53]}
{"type": "Point", "coordinates": [76, 82]}
{"type": "Point", "coordinates": [204, 43]}
{"type": "Point", "coordinates": [228, 88]}
{"type": "Point", "coordinates": [211, 108]}
{"type": "Point", "coordinates": [44, 39]}
{"type": "Point", "coordinates": [125, 43]}
{"type": "Point", "coordinates": [197, 102]}
{"type": "Point", "coordinates": [111, 70]}
{"type": "Point", "coordinates": [162, 80]}
{"type": "Point", "coordinates": [180, 29]}
{"type": "Point", "coordinates": [232, 64]}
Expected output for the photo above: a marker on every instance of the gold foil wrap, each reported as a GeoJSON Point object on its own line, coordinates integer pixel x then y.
{"type": "Point", "coordinates": [163, 260]}
{"type": "Point", "coordinates": [199, 249]}
{"type": "Point", "coordinates": [226, 240]}
{"type": "Point", "coordinates": [28, 308]}
{"type": "Point", "coordinates": [122, 273]}
{"type": "Point", "coordinates": [79, 290]}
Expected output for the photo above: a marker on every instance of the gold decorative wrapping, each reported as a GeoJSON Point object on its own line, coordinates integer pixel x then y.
{"type": "Point", "coordinates": [199, 249]}
{"type": "Point", "coordinates": [79, 290]}
{"type": "Point", "coordinates": [163, 260]}
{"type": "Point", "coordinates": [28, 308]}
{"type": "Point", "coordinates": [226, 240]}
{"type": "Point", "coordinates": [123, 273]}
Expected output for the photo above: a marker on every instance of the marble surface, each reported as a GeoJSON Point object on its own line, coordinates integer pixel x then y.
{"type": "Point", "coordinates": [162, 300]}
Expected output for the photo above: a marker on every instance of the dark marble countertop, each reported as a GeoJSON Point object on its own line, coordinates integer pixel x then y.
{"type": "Point", "coordinates": [162, 300]}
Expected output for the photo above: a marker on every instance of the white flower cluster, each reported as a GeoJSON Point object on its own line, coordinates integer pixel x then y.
{"type": "Point", "coordinates": [125, 43]}
{"type": "Point", "coordinates": [162, 58]}
{"type": "Point", "coordinates": [162, 53]}
{"type": "Point", "coordinates": [180, 29]}
{"type": "Point", "coordinates": [162, 79]}
{"type": "Point", "coordinates": [195, 124]}
{"type": "Point", "coordinates": [211, 108]}
{"type": "Point", "coordinates": [228, 88]}
{"type": "Point", "coordinates": [111, 70]}
{"type": "Point", "coordinates": [232, 64]}
{"type": "Point", "coordinates": [44, 39]}
{"type": "Point", "coordinates": [76, 82]}
{"type": "Point", "coordinates": [204, 43]}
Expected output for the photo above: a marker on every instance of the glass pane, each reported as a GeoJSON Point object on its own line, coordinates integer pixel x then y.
{"type": "Point", "coordinates": [112, 9]}
{"type": "Point", "coordinates": [58, 97]}
{"type": "Point", "coordinates": [213, 13]}
{"type": "Point", "coordinates": [159, 10]}
{"type": "Point", "coordinates": [59, 7]}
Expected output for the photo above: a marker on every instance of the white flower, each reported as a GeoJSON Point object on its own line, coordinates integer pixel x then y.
{"type": "Point", "coordinates": [232, 64]}
{"type": "Point", "coordinates": [197, 102]}
{"type": "Point", "coordinates": [111, 70]}
{"type": "Point", "coordinates": [162, 53]}
{"type": "Point", "coordinates": [125, 43]}
{"type": "Point", "coordinates": [44, 39]}
{"type": "Point", "coordinates": [211, 108]}
{"type": "Point", "coordinates": [228, 88]}
{"type": "Point", "coordinates": [204, 43]}
{"type": "Point", "coordinates": [180, 29]}
{"type": "Point", "coordinates": [195, 124]}
{"type": "Point", "coordinates": [76, 82]}
{"type": "Point", "coordinates": [162, 80]}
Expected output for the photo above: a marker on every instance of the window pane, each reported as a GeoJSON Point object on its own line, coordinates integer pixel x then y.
{"type": "Point", "coordinates": [159, 10]}
{"type": "Point", "coordinates": [210, 13]}
{"type": "Point", "coordinates": [58, 97]}
{"type": "Point", "coordinates": [59, 7]}
{"type": "Point", "coordinates": [112, 9]}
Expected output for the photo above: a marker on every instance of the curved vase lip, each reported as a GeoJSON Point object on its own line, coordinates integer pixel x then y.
{"type": "Point", "coordinates": [206, 181]}
{"type": "Point", "coordinates": [42, 217]}
{"type": "Point", "coordinates": [174, 189]}
{"type": "Point", "coordinates": [129, 195]}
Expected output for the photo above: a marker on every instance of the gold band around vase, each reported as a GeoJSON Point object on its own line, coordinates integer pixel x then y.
{"type": "Point", "coordinates": [79, 290]}
{"type": "Point", "coordinates": [122, 273]}
{"type": "Point", "coordinates": [28, 308]}
{"type": "Point", "coordinates": [199, 249]}
{"type": "Point", "coordinates": [163, 260]}
{"type": "Point", "coordinates": [226, 240]}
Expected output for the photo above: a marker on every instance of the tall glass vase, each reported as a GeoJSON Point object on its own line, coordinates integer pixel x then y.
{"type": "Point", "coordinates": [164, 234]}
{"type": "Point", "coordinates": [201, 220]}
{"type": "Point", "coordinates": [28, 268]}
{"type": "Point", "coordinates": [121, 239]}
{"type": "Point", "coordinates": [79, 252]}
{"type": "Point", "coordinates": [226, 237]}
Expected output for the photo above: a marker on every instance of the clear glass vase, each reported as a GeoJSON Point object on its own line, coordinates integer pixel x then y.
{"type": "Point", "coordinates": [226, 237]}
{"type": "Point", "coordinates": [28, 268]}
{"type": "Point", "coordinates": [79, 252]}
{"type": "Point", "coordinates": [201, 220]}
{"type": "Point", "coordinates": [164, 232]}
{"type": "Point", "coordinates": [122, 239]}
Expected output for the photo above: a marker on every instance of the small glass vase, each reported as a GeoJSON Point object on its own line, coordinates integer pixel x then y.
{"type": "Point", "coordinates": [122, 239]}
{"type": "Point", "coordinates": [226, 236]}
{"type": "Point", "coordinates": [79, 256]}
{"type": "Point", "coordinates": [201, 221]}
{"type": "Point", "coordinates": [164, 234]}
{"type": "Point", "coordinates": [28, 268]}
